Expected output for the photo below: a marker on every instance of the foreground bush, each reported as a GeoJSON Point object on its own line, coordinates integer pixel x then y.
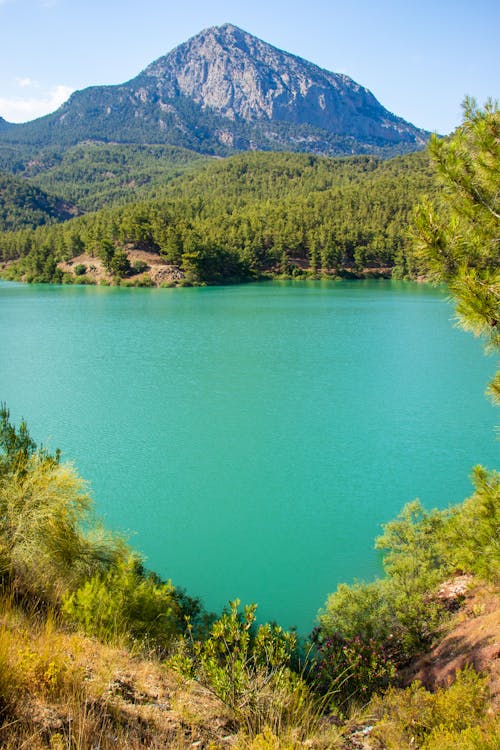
{"type": "Point", "coordinates": [53, 552]}
{"type": "Point", "coordinates": [125, 602]}
{"type": "Point", "coordinates": [472, 533]}
{"type": "Point", "coordinates": [453, 717]}
{"type": "Point", "coordinates": [44, 505]}
{"type": "Point", "coordinates": [401, 613]}
{"type": "Point", "coordinates": [351, 670]}
{"type": "Point", "coordinates": [253, 670]}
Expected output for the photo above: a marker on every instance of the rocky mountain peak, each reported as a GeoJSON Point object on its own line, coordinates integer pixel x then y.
{"type": "Point", "coordinates": [225, 90]}
{"type": "Point", "coordinates": [228, 70]}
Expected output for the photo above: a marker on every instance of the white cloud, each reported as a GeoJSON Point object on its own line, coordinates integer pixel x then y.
{"type": "Point", "coordinates": [18, 109]}
{"type": "Point", "coordinates": [25, 83]}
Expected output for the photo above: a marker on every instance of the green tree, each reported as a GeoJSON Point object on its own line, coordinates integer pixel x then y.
{"type": "Point", "coordinates": [458, 232]}
{"type": "Point", "coordinates": [44, 506]}
{"type": "Point", "coordinates": [120, 264]}
{"type": "Point", "coordinates": [106, 252]}
{"type": "Point", "coordinates": [472, 533]}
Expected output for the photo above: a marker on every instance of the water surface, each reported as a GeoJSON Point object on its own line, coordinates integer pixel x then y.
{"type": "Point", "coordinates": [252, 438]}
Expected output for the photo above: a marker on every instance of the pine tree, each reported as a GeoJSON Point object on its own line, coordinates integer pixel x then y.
{"type": "Point", "coordinates": [458, 233]}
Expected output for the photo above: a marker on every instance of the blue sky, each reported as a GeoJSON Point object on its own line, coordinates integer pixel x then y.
{"type": "Point", "coordinates": [418, 58]}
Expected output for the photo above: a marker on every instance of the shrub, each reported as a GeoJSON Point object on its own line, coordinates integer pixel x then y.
{"type": "Point", "coordinates": [351, 669]}
{"type": "Point", "coordinates": [80, 269]}
{"type": "Point", "coordinates": [44, 551]}
{"type": "Point", "coordinates": [119, 265]}
{"type": "Point", "coordinates": [361, 610]}
{"type": "Point", "coordinates": [124, 601]}
{"type": "Point", "coordinates": [399, 611]}
{"type": "Point", "coordinates": [473, 530]}
{"type": "Point", "coordinates": [145, 281]}
{"type": "Point", "coordinates": [249, 669]}
{"type": "Point", "coordinates": [139, 266]}
{"type": "Point", "coordinates": [9, 682]}
{"type": "Point", "coordinates": [483, 737]}
{"type": "Point", "coordinates": [416, 561]}
{"type": "Point", "coordinates": [229, 659]}
{"type": "Point", "coordinates": [415, 717]}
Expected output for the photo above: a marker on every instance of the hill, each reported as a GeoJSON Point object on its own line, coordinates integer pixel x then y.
{"type": "Point", "coordinates": [92, 175]}
{"type": "Point", "coordinates": [223, 91]}
{"type": "Point", "coordinates": [242, 217]}
{"type": "Point", "coordinates": [24, 206]}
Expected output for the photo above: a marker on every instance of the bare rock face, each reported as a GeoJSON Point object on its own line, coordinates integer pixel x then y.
{"type": "Point", "coordinates": [240, 76]}
{"type": "Point", "coordinates": [222, 91]}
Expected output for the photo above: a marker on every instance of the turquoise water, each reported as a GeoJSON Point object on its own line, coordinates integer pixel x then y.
{"type": "Point", "coordinates": [252, 438]}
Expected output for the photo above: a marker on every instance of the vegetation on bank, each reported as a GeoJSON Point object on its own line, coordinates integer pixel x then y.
{"type": "Point", "coordinates": [245, 216]}
{"type": "Point", "coordinates": [62, 574]}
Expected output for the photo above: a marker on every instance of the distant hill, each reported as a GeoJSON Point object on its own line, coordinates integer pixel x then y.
{"type": "Point", "coordinates": [223, 91]}
{"type": "Point", "coordinates": [24, 206]}
{"type": "Point", "coordinates": [92, 175]}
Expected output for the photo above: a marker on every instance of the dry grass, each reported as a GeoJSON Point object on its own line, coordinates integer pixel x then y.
{"type": "Point", "coordinates": [60, 690]}
{"type": "Point", "coordinates": [63, 691]}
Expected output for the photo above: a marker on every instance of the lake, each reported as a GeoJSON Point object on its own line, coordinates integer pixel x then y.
{"type": "Point", "coordinates": [252, 439]}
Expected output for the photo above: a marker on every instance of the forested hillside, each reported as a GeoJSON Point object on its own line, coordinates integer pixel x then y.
{"type": "Point", "coordinates": [93, 175]}
{"type": "Point", "coordinates": [250, 214]}
{"type": "Point", "coordinates": [25, 206]}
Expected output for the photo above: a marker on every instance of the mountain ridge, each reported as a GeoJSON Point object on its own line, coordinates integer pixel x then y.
{"type": "Point", "coordinates": [225, 90]}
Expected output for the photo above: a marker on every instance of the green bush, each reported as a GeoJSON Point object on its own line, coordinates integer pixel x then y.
{"type": "Point", "coordinates": [400, 611]}
{"type": "Point", "coordinates": [421, 549]}
{"type": "Point", "coordinates": [252, 670]}
{"type": "Point", "coordinates": [351, 669]}
{"type": "Point", "coordinates": [248, 668]}
{"type": "Point", "coordinates": [43, 549]}
{"type": "Point", "coordinates": [416, 561]}
{"type": "Point", "coordinates": [361, 610]}
{"type": "Point", "coordinates": [229, 659]}
{"type": "Point", "coordinates": [414, 717]}
{"type": "Point", "coordinates": [473, 531]}
{"type": "Point", "coordinates": [139, 266]}
{"type": "Point", "coordinates": [44, 505]}
{"type": "Point", "coordinates": [145, 281]}
{"type": "Point", "coordinates": [53, 550]}
{"type": "Point", "coordinates": [119, 265]}
{"type": "Point", "coordinates": [124, 601]}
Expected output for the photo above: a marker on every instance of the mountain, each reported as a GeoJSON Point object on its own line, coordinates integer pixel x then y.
{"type": "Point", "coordinates": [223, 91]}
